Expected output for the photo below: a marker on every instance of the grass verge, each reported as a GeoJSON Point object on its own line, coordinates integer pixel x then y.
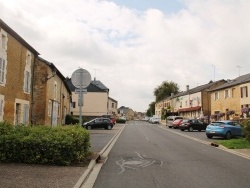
{"type": "Point", "coordinates": [236, 143]}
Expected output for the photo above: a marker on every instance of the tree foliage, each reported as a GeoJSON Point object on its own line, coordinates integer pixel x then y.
{"type": "Point", "coordinates": [151, 109]}
{"type": "Point", "coordinates": [165, 90]}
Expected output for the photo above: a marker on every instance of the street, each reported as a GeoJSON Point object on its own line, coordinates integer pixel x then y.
{"type": "Point", "coordinates": [147, 155]}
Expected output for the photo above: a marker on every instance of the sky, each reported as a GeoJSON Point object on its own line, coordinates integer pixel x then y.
{"type": "Point", "coordinates": [134, 46]}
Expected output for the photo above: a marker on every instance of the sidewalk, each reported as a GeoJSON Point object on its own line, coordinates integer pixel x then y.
{"type": "Point", "coordinates": [38, 176]}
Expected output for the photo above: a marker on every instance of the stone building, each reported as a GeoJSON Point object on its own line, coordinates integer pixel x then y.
{"type": "Point", "coordinates": [52, 96]}
{"type": "Point", "coordinates": [17, 59]}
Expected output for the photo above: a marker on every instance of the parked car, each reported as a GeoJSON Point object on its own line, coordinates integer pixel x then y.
{"type": "Point", "coordinates": [226, 129]}
{"type": "Point", "coordinates": [176, 123]}
{"type": "Point", "coordinates": [145, 118]}
{"type": "Point", "coordinates": [192, 124]}
{"type": "Point", "coordinates": [113, 120]}
{"type": "Point", "coordinates": [99, 123]}
{"type": "Point", "coordinates": [171, 119]}
{"type": "Point", "coordinates": [155, 120]}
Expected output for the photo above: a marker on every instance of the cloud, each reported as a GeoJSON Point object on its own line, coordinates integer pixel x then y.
{"type": "Point", "coordinates": [131, 51]}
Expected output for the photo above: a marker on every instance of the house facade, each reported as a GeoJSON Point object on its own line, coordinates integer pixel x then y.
{"type": "Point", "coordinates": [17, 60]}
{"type": "Point", "coordinates": [51, 95]}
{"type": "Point", "coordinates": [96, 102]}
{"type": "Point", "coordinates": [195, 102]}
{"type": "Point", "coordinates": [127, 112]}
{"type": "Point", "coordinates": [192, 103]}
{"type": "Point", "coordinates": [112, 106]}
{"type": "Point", "coordinates": [231, 100]}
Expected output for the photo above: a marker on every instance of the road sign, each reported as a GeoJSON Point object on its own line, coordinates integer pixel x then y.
{"type": "Point", "coordinates": [81, 78]}
{"type": "Point", "coordinates": [77, 90]}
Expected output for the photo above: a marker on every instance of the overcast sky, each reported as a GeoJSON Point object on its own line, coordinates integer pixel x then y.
{"type": "Point", "coordinates": [132, 46]}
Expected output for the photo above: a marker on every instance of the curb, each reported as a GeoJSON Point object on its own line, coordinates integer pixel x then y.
{"type": "Point", "coordinates": [100, 159]}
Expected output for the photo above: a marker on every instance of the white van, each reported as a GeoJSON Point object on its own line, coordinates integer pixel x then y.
{"type": "Point", "coordinates": [171, 119]}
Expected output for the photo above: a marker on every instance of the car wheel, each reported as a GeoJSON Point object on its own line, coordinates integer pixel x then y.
{"type": "Point", "coordinates": [88, 127]}
{"type": "Point", "coordinates": [175, 127]}
{"type": "Point", "coordinates": [182, 129]}
{"type": "Point", "coordinates": [228, 135]}
{"type": "Point", "coordinates": [169, 127]}
{"type": "Point", "coordinates": [109, 127]}
{"type": "Point", "coordinates": [209, 136]}
{"type": "Point", "coordinates": [190, 129]}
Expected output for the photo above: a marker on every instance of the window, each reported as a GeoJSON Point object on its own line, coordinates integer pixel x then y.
{"type": "Point", "coordinates": [113, 105]}
{"type": "Point", "coordinates": [216, 96]}
{"type": "Point", "coordinates": [1, 107]}
{"type": "Point", "coordinates": [55, 91]}
{"type": "Point", "coordinates": [243, 91]}
{"type": "Point", "coordinates": [73, 104]}
{"type": "Point", "coordinates": [226, 93]}
{"type": "Point", "coordinates": [233, 92]}
{"type": "Point", "coordinates": [27, 73]}
{"type": "Point", "coordinates": [27, 82]}
{"type": "Point", "coordinates": [2, 70]}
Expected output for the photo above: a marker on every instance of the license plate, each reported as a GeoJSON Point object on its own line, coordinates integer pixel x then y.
{"type": "Point", "coordinates": [212, 132]}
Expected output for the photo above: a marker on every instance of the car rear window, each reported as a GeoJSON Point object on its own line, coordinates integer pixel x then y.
{"type": "Point", "coordinates": [216, 123]}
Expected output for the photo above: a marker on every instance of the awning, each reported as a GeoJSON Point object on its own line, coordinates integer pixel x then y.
{"type": "Point", "coordinates": [189, 109]}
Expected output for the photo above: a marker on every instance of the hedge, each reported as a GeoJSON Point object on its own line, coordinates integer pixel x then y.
{"type": "Point", "coordinates": [43, 144]}
{"type": "Point", "coordinates": [120, 121]}
{"type": "Point", "coordinates": [246, 129]}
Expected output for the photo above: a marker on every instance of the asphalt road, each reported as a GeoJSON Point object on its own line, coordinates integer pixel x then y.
{"type": "Point", "coordinates": [149, 156]}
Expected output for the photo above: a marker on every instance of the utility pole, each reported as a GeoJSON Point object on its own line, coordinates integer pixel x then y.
{"type": "Point", "coordinates": [239, 67]}
{"type": "Point", "coordinates": [214, 70]}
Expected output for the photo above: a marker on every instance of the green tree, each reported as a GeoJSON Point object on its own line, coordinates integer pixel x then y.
{"type": "Point", "coordinates": [165, 90]}
{"type": "Point", "coordinates": [151, 109]}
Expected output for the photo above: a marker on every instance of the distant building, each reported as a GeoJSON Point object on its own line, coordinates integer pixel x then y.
{"type": "Point", "coordinates": [96, 101]}
{"type": "Point", "coordinates": [127, 112]}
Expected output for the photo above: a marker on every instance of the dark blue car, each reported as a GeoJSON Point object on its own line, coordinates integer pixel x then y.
{"type": "Point", "coordinates": [226, 129]}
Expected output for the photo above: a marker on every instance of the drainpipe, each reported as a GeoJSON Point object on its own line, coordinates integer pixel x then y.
{"type": "Point", "coordinates": [32, 90]}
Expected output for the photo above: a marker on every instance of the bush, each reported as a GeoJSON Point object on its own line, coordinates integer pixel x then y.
{"type": "Point", "coordinates": [120, 121]}
{"type": "Point", "coordinates": [246, 129]}
{"type": "Point", "coordinates": [44, 145]}
{"type": "Point", "coordinates": [69, 120]}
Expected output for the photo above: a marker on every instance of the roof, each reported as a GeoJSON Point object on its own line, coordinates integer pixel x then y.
{"type": "Point", "coordinates": [91, 87]}
{"type": "Point", "coordinates": [6, 28]}
{"type": "Point", "coordinates": [53, 67]}
{"type": "Point", "coordinates": [237, 81]}
{"type": "Point", "coordinates": [189, 109]}
{"type": "Point", "coordinates": [113, 99]}
{"type": "Point", "coordinates": [197, 89]}
{"type": "Point", "coordinates": [99, 84]}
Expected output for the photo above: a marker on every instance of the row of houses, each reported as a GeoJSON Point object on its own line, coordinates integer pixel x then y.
{"type": "Point", "coordinates": [218, 100]}
{"type": "Point", "coordinates": [34, 91]}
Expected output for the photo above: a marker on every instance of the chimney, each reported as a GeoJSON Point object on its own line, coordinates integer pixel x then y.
{"type": "Point", "coordinates": [187, 87]}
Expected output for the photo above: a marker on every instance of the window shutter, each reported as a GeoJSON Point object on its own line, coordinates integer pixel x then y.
{"type": "Point", "coordinates": [241, 92]}
{"type": "Point", "coordinates": [246, 92]}
{"type": "Point", "coordinates": [1, 107]}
